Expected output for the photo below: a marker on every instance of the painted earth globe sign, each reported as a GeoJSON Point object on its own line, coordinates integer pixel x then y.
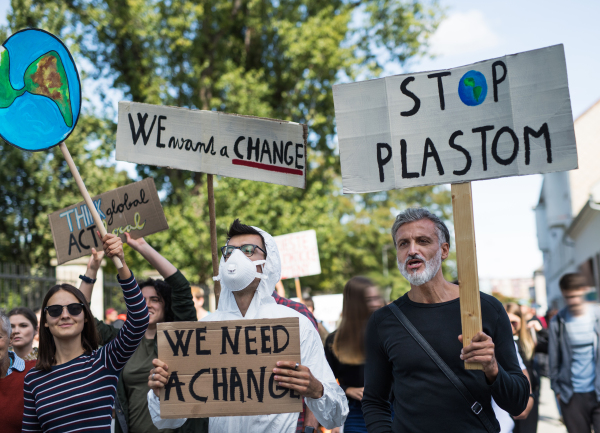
{"type": "Point", "coordinates": [40, 91]}
{"type": "Point", "coordinates": [472, 88]}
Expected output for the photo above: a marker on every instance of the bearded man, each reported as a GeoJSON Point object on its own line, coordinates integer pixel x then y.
{"type": "Point", "coordinates": [424, 399]}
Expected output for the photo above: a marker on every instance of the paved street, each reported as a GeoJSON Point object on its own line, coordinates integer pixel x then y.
{"type": "Point", "coordinates": [549, 417]}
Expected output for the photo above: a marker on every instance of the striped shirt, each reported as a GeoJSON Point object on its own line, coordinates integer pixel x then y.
{"type": "Point", "coordinates": [79, 395]}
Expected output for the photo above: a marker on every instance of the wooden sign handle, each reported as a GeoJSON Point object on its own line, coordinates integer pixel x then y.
{"type": "Point", "coordinates": [86, 196]}
{"type": "Point", "coordinates": [213, 235]}
{"type": "Point", "coordinates": [298, 290]}
{"type": "Point", "coordinates": [466, 263]}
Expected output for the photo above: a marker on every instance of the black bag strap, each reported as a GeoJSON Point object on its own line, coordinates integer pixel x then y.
{"type": "Point", "coordinates": [475, 406]}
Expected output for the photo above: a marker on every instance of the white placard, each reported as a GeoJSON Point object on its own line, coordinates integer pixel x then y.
{"type": "Point", "coordinates": [299, 254]}
{"type": "Point", "coordinates": [502, 117]}
{"type": "Point", "coordinates": [231, 145]}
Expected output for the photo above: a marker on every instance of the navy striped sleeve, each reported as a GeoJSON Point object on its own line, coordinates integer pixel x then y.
{"type": "Point", "coordinates": [30, 419]}
{"type": "Point", "coordinates": [119, 350]}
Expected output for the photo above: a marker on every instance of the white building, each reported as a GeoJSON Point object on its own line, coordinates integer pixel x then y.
{"type": "Point", "coordinates": [568, 212]}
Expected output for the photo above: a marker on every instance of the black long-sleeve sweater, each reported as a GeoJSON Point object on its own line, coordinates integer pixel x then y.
{"type": "Point", "coordinates": [424, 399]}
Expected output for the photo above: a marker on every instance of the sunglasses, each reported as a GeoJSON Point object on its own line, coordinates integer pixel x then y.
{"type": "Point", "coordinates": [247, 249]}
{"type": "Point", "coordinates": [56, 310]}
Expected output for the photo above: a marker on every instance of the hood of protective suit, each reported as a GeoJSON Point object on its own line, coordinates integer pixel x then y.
{"type": "Point", "coordinates": [263, 295]}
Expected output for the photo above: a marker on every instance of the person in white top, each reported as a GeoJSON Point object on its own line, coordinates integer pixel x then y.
{"type": "Point", "coordinates": [249, 269]}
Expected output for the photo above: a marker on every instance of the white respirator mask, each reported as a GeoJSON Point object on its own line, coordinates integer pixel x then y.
{"type": "Point", "coordinates": [238, 271]}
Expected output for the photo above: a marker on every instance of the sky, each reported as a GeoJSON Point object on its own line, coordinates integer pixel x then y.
{"type": "Point", "coordinates": [475, 31]}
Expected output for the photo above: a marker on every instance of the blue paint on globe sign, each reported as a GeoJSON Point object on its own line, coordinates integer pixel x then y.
{"type": "Point", "coordinates": [40, 91]}
{"type": "Point", "coordinates": [472, 88]}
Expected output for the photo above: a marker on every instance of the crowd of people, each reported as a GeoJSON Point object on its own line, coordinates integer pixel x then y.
{"type": "Point", "coordinates": [386, 368]}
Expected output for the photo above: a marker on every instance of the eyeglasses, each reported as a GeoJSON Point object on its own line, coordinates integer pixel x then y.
{"type": "Point", "coordinates": [56, 310]}
{"type": "Point", "coordinates": [515, 324]}
{"type": "Point", "coordinates": [247, 249]}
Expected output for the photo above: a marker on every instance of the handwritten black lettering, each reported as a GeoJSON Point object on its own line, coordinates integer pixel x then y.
{"type": "Point", "coordinates": [260, 391]}
{"type": "Point", "coordinates": [126, 205]}
{"type": "Point", "coordinates": [193, 381]}
{"type": "Point", "coordinates": [135, 135]}
{"type": "Point", "coordinates": [174, 382]}
{"type": "Point", "coordinates": [179, 344]}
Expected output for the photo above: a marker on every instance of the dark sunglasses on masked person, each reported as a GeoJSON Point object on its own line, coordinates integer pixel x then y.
{"type": "Point", "coordinates": [56, 310]}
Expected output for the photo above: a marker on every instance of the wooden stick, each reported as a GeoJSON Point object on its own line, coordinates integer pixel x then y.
{"type": "Point", "coordinates": [298, 290]}
{"type": "Point", "coordinates": [86, 196]}
{"type": "Point", "coordinates": [213, 234]}
{"type": "Point", "coordinates": [466, 263]}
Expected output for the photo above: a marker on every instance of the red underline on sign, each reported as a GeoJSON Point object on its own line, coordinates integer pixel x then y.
{"type": "Point", "coordinates": [267, 167]}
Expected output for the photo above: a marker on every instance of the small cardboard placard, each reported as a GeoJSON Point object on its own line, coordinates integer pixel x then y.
{"type": "Point", "coordinates": [134, 208]}
{"type": "Point", "coordinates": [299, 254]}
{"type": "Point", "coordinates": [507, 116]}
{"type": "Point", "coordinates": [243, 147]}
{"type": "Point", "coordinates": [226, 368]}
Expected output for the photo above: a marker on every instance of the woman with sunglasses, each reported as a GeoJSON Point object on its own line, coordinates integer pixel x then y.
{"type": "Point", "coordinates": [73, 385]}
{"type": "Point", "coordinates": [168, 301]}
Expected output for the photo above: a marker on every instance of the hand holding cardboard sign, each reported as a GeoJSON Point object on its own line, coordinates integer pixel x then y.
{"type": "Point", "coordinates": [137, 244]}
{"type": "Point", "coordinates": [481, 350]}
{"type": "Point", "coordinates": [113, 247]}
{"type": "Point", "coordinates": [299, 378]}
{"type": "Point", "coordinates": [159, 376]}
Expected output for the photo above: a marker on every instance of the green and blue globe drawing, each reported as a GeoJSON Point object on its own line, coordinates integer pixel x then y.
{"type": "Point", "coordinates": [40, 91]}
{"type": "Point", "coordinates": [472, 88]}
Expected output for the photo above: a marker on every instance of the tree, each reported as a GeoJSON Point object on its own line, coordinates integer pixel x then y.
{"type": "Point", "coordinates": [265, 58]}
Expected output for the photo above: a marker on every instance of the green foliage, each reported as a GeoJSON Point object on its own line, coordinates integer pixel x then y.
{"type": "Point", "coordinates": [265, 58]}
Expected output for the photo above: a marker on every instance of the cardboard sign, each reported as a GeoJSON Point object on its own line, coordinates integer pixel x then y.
{"type": "Point", "coordinates": [231, 145]}
{"type": "Point", "coordinates": [502, 117]}
{"type": "Point", "coordinates": [299, 254]}
{"type": "Point", "coordinates": [226, 368]}
{"type": "Point", "coordinates": [134, 208]}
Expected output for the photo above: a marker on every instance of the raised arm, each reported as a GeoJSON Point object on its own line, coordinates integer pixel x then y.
{"type": "Point", "coordinates": [119, 350]}
{"type": "Point", "coordinates": [182, 302]}
{"type": "Point", "coordinates": [91, 272]}
{"type": "Point", "coordinates": [158, 262]}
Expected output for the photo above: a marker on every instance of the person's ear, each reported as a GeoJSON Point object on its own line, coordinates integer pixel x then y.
{"type": "Point", "coordinates": [445, 250]}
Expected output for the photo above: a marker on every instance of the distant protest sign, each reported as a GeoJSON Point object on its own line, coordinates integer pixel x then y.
{"type": "Point", "coordinates": [134, 208]}
{"type": "Point", "coordinates": [502, 117]}
{"type": "Point", "coordinates": [299, 254]}
{"type": "Point", "coordinates": [231, 145]}
{"type": "Point", "coordinates": [226, 368]}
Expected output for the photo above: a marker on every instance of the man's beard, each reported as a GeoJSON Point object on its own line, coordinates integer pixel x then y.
{"type": "Point", "coordinates": [419, 278]}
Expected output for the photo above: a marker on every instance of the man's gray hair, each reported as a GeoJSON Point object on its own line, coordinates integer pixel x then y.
{"type": "Point", "coordinates": [5, 322]}
{"type": "Point", "coordinates": [415, 214]}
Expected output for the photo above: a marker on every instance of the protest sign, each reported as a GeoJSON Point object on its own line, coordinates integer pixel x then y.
{"type": "Point", "coordinates": [226, 368]}
{"type": "Point", "coordinates": [244, 147]}
{"type": "Point", "coordinates": [299, 254]}
{"type": "Point", "coordinates": [501, 117]}
{"type": "Point", "coordinates": [508, 116]}
{"type": "Point", "coordinates": [231, 145]}
{"type": "Point", "coordinates": [40, 100]}
{"type": "Point", "coordinates": [134, 208]}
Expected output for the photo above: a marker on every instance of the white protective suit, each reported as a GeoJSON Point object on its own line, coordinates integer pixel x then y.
{"type": "Point", "coordinates": [330, 410]}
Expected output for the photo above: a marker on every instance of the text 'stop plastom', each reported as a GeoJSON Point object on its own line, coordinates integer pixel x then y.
{"type": "Point", "coordinates": [502, 117]}
{"type": "Point", "coordinates": [243, 147]}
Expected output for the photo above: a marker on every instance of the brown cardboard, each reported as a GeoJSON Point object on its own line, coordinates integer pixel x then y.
{"type": "Point", "coordinates": [196, 366]}
{"type": "Point", "coordinates": [135, 208]}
